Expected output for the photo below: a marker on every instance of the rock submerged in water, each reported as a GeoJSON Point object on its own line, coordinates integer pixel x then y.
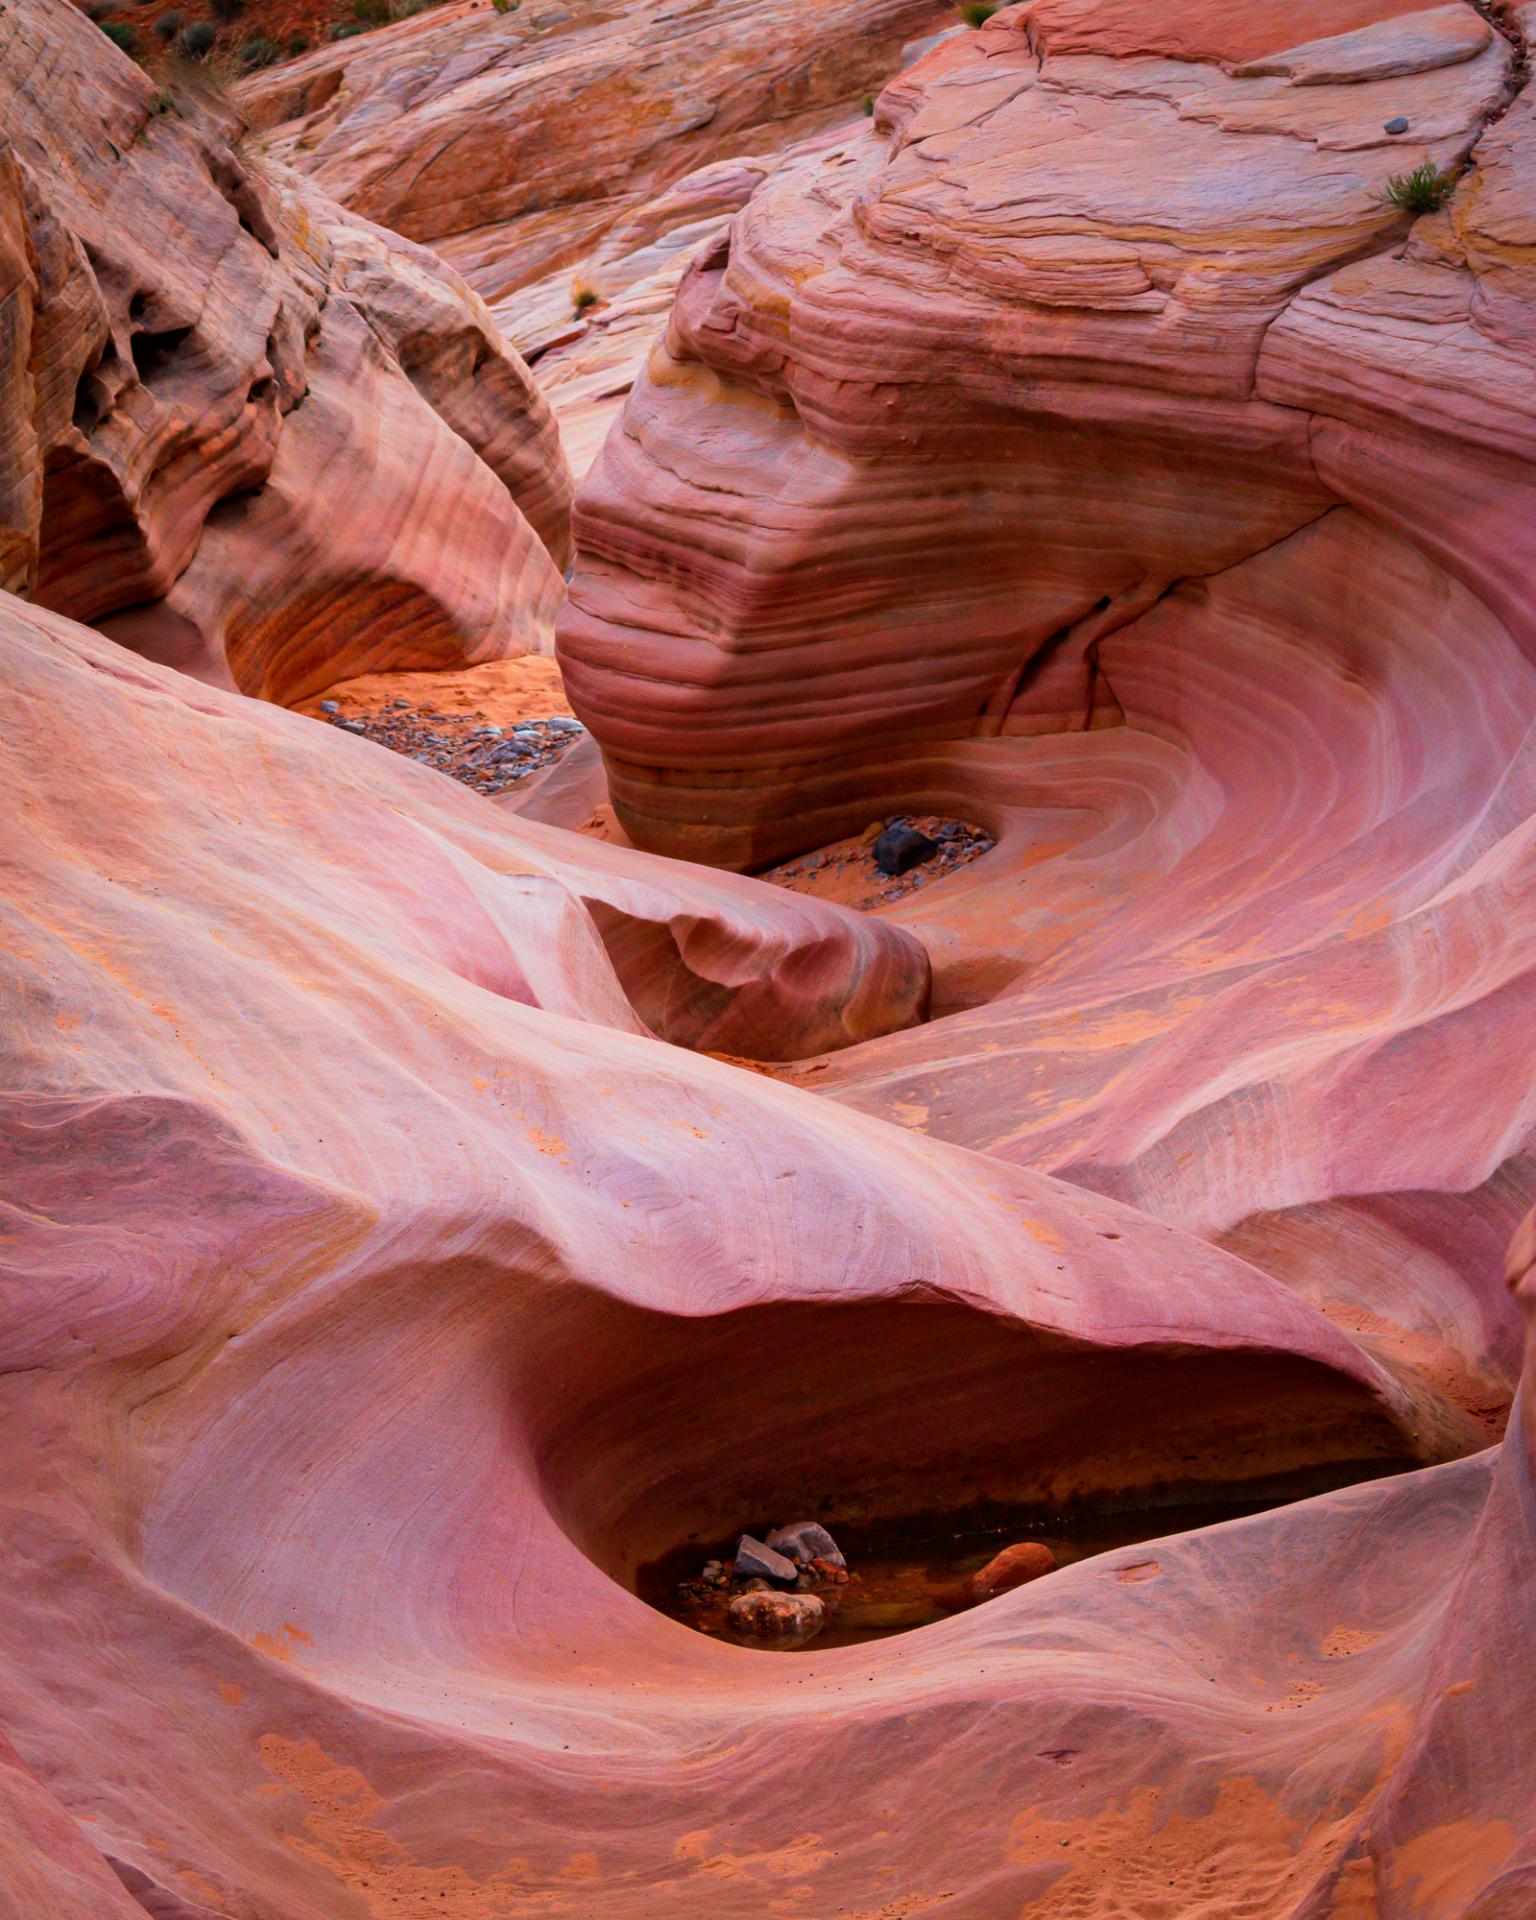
{"type": "Point", "coordinates": [754, 1558]}
{"type": "Point", "coordinates": [1015, 1566]}
{"type": "Point", "coordinates": [777, 1619]}
{"type": "Point", "coordinates": [805, 1541]}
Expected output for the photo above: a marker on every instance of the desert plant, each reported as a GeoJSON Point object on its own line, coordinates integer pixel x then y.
{"type": "Point", "coordinates": [295, 44]}
{"type": "Point", "coordinates": [123, 38]}
{"type": "Point", "coordinates": [372, 13]}
{"type": "Point", "coordinates": [347, 31]}
{"type": "Point", "coordinates": [505, 6]}
{"type": "Point", "coordinates": [869, 103]}
{"type": "Point", "coordinates": [978, 12]}
{"type": "Point", "coordinates": [169, 25]}
{"type": "Point", "coordinates": [196, 41]}
{"type": "Point", "coordinates": [260, 50]}
{"type": "Point", "coordinates": [584, 296]}
{"type": "Point", "coordinates": [227, 10]}
{"type": "Point", "coordinates": [1424, 189]}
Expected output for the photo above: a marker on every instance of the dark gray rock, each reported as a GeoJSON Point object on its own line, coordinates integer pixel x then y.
{"type": "Point", "coordinates": [1399, 125]}
{"type": "Point", "coordinates": [899, 849]}
{"type": "Point", "coordinates": [805, 1541]}
{"type": "Point", "coordinates": [753, 1557]}
{"type": "Point", "coordinates": [330, 706]}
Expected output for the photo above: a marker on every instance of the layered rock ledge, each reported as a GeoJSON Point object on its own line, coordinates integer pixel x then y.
{"type": "Point", "coordinates": [243, 431]}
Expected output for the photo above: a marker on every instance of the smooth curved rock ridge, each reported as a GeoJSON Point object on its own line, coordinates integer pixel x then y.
{"type": "Point", "coordinates": [352, 1215]}
{"type": "Point", "coordinates": [249, 434]}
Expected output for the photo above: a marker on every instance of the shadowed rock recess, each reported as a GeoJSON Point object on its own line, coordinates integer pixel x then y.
{"type": "Point", "coordinates": [419, 1221]}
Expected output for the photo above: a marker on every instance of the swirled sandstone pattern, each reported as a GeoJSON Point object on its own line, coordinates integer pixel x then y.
{"type": "Point", "coordinates": [379, 1293]}
{"type": "Point", "coordinates": [388, 1270]}
{"type": "Point", "coordinates": [1196, 565]}
{"type": "Point", "coordinates": [246, 432]}
{"type": "Point", "coordinates": [1075, 321]}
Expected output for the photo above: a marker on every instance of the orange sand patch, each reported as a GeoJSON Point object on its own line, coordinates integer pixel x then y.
{"type": "Point", "coordinates": [1344, 1641]}
{"type": "Point", "coordinates": [341, 1833]}
{"type": "Point", "coordinates": [1443, 1869]}
{"type": "Point", "coordinates": [527, 688]}
{"type": "Point", "coordinates": [1243, 1860]}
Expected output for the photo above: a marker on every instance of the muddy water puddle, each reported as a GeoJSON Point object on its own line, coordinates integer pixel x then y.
{"type": "Point", "coordinates": [911, 1573]}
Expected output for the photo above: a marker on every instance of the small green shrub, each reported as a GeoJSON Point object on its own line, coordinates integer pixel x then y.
{"type": "Point", "coordinates": [505, 6]}
{"type": "Point", "coordinates": [370, 13]}
{"type": "Point", "coordinates": [345, 32]}
{"type": "Point", "coordinates": [227, 10]}
{"type": "Point", "coordinates": [196, 41]}
{"type": "Point", "coordinates": [1423, 190]}
{"type": "Point", "coordinates": [260, 50]}
{"type": "Point", "coordinates": [584, 296]}
{"type": "Point", "coordinates": [169, 25]}
{"type": "Point", "coordinates": [869, 103]}
{"type": "Point", "coordinates": [123, 38]}
{"type": "Point", "coordinates": [295, 44]}
{"type": "Point", "coordinates": [978, 12]}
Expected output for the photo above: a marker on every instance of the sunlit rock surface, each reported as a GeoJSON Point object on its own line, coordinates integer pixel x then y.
{"type": "Point", "coordinates": [514, 141]}
{"type": "Point", "coordinates": [246, 432]}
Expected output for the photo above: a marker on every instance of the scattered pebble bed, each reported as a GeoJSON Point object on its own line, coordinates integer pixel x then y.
{"type": "Point", "coordinates": [853, 871]}
{"type": "Point", "coordinates": [464, 745]}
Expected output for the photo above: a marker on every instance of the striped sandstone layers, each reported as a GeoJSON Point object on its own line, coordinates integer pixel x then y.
{"type": "Point", "coordinates": [247, 433]}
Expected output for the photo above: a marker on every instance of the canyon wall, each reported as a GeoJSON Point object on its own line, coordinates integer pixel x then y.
{"type": "Point", "coordinates": [1093, 450]}
{"type": "Point", "coordinates": [246, 432]}
{"type": "Point", "coordinates": [1089, 311]}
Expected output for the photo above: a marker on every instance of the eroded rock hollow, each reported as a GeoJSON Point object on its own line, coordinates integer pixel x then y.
{"type": "Point", "coordinates": [420, 1219]}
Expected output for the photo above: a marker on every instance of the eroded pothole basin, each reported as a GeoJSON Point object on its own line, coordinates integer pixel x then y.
{"type": "Point", "coordinates": [922, 1432]}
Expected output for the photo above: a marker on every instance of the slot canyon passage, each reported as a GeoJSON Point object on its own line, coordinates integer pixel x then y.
{"type": "Point", "coordinates": [448, 1192]}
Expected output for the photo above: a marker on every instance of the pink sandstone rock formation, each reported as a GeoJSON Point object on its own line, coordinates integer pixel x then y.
{"type": "Point", "coordinates": [245, 432]}
{"type": "Point", "coordinates": [388, 1272]}
{"type": "Point", "coordinates": [514, 141]}
{"type": "Point", "coordinates": [1061, 331]}
{"type": "Point", "coordinates": [379, 1292]}
{"type": "Point", "coordinates": [1189, 570]}
{"type": "Point", "coordinates": [553, 149]}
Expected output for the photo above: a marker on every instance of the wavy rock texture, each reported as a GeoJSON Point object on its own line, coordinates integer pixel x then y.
{"type": "Point", "coordinates": [556, 147]}
{"type": "Point", "coordinates": [389, 1271]}
{"type": "Point", "coordinates": [1068, 305]}
{"type": "Point", "coordinates": [379, 1295]}
{"type": "Point", "coordinates": [513, 142]}
{"type": "Point", "coordinates": [1246, 551]}
{"type": "Point", "coordinates": [249, 434]}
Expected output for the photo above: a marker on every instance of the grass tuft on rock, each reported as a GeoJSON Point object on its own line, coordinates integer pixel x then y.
{"type": "Point", "coordinates": [1424, 189]}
